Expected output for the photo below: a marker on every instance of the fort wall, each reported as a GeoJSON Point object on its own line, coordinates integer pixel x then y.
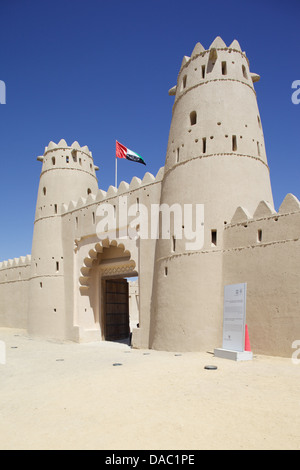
{"type": "Point", "coordinates": [14, 293]}
{"type": "Point", "coordinates": [264, 251]}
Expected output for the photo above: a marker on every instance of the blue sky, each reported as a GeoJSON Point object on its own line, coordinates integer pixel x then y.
{"type": "Point", "coordinates": [97, 71]}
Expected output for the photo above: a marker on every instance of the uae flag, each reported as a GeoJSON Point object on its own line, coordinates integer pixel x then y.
{"type": "Point", "coordinates": [124, 152]}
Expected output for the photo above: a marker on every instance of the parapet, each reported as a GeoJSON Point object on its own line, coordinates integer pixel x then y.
{"type": "Point", "coordinates": [62, 144]}
{"type": "Point", "coordinates": [16, 262]}
{"type": "Point", "coordinates": [203, 60]}
{"type": "Point", "coordinates": [124, 187]}
{"type": "Point", "coordinates": [17, 269]}
{"type": "Point", "coordinates": [265, 226]}
{"type": "Point", "coordinates": [73, 149]}
{"type": "Point", "coordinates": [264, 210]}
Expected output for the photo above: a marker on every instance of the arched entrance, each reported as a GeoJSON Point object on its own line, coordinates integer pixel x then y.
{"type": "Point", "coordinates": [104, 279]}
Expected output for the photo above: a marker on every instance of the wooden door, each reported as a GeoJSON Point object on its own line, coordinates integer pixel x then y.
{"type": "Point", "coordinates": [117, 309]}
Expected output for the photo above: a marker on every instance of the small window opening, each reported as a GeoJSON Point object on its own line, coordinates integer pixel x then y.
{"type": "Point", "coordinates": [74, 155]}
{"type": "Point", "coordinates": [234, 144]}
{"type": "Point", "coordinates": [44, 191]}
{"type": "Point", "coordinates": [184, 82]}
{"type": "Point", "coordinates": [89, 191]}
{"type": "Point", "coordinates": [244, 71]}
{"type": "Point", "coordinates": [54, 309]}
{"type": "Point", "coordinates": [57, 266]}
{"type": "Point", "coordinates": [204, 145]}
{"type": "Point", "coordinates": [214, 237]}
{"type": "Point", "coordinates": [76, 222]}
{"type": "Point", "coordinates": [258, 149]}
{"type": "Point", "coordinates": [259, 236]}
{"type": "Point", "coordinates": [224, 68]}
{"type": "Point", "coordinates": [138, 204]}
{"type": "Point", "coordinates": [67, 159]}
{"type": "Point", "coordinates": [259, 121]}
{"type": "Point", "coordinates": [173, 243]}
{"type": "Point", "coordinates": [193, 118]}
{"type": "Point", "coordinates": [55, 208]}
{"type": "Point", "coordinates": [80, 161]}
{"type": "Point", "coordinates": [166, 270]}
{"type": "Point", "coordinates": [53, 160]}
{"type": "Point", "coordinates": [41, 285]}
{"type": "Point", "coordinates": [177, 155]}
{"type": "Point", "coordinates": [93, 215]}
{"type": "Point", "coordinates": [203, 71]}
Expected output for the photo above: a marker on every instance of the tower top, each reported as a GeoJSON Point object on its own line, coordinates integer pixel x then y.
{"type": "Point", "coordinates": [72, 150]}
{"type": "Point", "coordinates": [62, 144]}
{"type": "Point", "coordinates": [217, 51]}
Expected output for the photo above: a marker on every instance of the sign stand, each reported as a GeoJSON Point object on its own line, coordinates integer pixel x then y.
{"type": "Point", "coordinates": [234, 322]}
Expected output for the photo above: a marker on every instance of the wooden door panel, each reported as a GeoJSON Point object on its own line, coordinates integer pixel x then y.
{"type": "Point", "coordinates": [116, 309]}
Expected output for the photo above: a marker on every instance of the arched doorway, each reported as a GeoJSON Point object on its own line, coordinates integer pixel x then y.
{"type": "Point", "coordinates": [105, 280]}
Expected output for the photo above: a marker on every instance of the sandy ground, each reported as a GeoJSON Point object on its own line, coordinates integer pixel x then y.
{"type": "Point", "coordinates": [72, 396]}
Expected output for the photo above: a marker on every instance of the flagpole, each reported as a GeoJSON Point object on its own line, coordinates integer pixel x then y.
{"type": "Point", "coordinates": [116, 173]}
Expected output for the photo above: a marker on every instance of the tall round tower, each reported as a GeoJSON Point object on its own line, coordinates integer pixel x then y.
{"type": "Point", "coordinates": [68, 173]}
{"type": "Point", "coordinates": [215, 157]}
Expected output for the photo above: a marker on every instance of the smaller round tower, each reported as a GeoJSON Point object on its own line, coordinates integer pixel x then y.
{"type": "Point", "coordinates": [68, 173]}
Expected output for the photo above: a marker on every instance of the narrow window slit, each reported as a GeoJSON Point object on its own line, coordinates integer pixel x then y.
{"type": "Point", "coordinates": [193, 118]}
{"type": "Point", "coordinates": [259, 236]}
{"type": "Point", "coordinates": [224, 68]}
{"type": "Point", "coordinates": [244, 71]}
{"type": "Point", "coordinates": [234, 144]}
{"type": "Point", "coordinates": [214, 237]}
{"type": "Point", "coordinates": [173, 243]}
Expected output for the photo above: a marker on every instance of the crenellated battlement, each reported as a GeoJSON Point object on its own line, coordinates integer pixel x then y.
{"type": "Point", "coordinates": [265, 226]}
{"type": "Point", "coordinates": [218, 62]}
{"type": "Point", "coordinates": [62, 144]}
{"type": "Point", "coordinates": [15, 263]}
{"type": "Point", "coordinates": [17, 269]}
{"type": "Point", "coordinates": [112, 192]}
{"type": "Point", "coordinates": [63, 156]}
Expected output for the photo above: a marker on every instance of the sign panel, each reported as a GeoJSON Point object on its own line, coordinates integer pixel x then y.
{"type": "Point", "coordinates": [234, 317]}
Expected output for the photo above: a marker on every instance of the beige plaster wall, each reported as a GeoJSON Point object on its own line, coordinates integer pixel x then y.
{"type": "Point", "coordinates": [269, 262]}
{"type": "Point", "coordinates": [14, 294]}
